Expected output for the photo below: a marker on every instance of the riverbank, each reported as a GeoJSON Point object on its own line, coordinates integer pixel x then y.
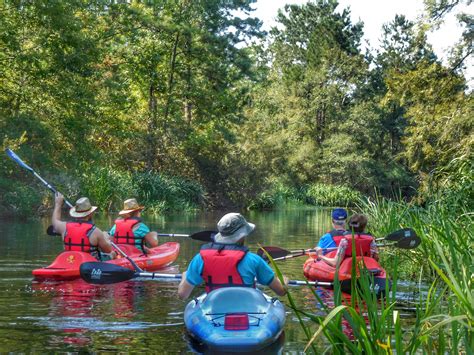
{"type": "Point", "coordinates": [160, 193]}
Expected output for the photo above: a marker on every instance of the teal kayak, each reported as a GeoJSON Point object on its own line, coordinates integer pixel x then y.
{"type": "Point", "coordinates": [238, 319]}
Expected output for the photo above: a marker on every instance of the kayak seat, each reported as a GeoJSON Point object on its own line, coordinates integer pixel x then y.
{"type": "Point", "coordinates": [235, 300]}
{"type": "Point", "coordinates": [129, 250]}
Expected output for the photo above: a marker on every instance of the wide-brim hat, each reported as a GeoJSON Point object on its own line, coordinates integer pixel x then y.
{"type": "Point", "coordinates": [82, 208]}
{"type": "Point", "coordinates": [233, 227]}
{"type": "Point", "coordinates": [130, 205]}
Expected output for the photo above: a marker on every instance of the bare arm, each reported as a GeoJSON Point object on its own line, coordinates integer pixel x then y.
{"type": "Point", "coordinates": [277, 286]}
{"type": "Point", "coordinates": [151, 239]}
{"type": "Point", "coordinates": [102, 242]}
{"type": "Point", "coordinates": [184, 288]}
{"type": "Point", "coordinates": [59, 226]}
{"type": "Point", "coordinates": [339, 255]}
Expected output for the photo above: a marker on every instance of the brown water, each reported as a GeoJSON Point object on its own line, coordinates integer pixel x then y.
{"type": "Point", "coordinates": [142, 316]}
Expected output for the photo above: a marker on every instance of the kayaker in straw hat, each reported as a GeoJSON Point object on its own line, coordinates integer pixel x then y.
{"type": "Point", "coordinates": [81, 234]}
{"type": "Point", "coordinates": [129, 228]}
{"type": "Point", "coordinates": [227, 262]}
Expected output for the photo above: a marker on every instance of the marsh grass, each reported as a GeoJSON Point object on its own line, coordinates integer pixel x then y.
{"type": "Point", "coordinates": [280, 195]}
{"type": "Point", "coordinates": [109, 188]}
{"type": "Point", "coordinates": [444, 315]}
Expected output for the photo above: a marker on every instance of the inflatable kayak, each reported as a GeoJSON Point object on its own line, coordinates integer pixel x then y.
{"type": "Point", "coordinates": [237, 319]}
{"type": "Point", "coordinates": [66, 265]}
{"type": "Point", "coordinates": [320, 271]}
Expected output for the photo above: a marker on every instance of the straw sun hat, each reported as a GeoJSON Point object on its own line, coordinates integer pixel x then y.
{"type": "Point", "coordinates": [82, 208]}
{"type": "Point", "coordinates": [130, 205]}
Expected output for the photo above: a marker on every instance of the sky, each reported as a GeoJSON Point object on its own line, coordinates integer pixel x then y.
{"type": "Point", "coordinates": [374, 13]}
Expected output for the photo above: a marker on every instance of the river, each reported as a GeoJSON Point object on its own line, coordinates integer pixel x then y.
{"type": "Point", "coordinates": [141, 316]}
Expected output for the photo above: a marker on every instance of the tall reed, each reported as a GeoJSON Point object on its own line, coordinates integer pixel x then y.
{"type": "Point", "coordinates": [445, 259]}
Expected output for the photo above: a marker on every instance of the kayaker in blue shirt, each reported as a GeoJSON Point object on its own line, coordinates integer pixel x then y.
{"type": "Point", "coordinates": [227, 262]}
{"type": "Point", "coordinates": [339, 216]}
{"type": "Point", "coordinates": [129, 228]}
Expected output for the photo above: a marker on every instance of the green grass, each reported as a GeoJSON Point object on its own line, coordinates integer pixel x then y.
{"type": "Point", "coordinates": [444, 321]}
{"type": "Point", "coordinates": [281, 195]}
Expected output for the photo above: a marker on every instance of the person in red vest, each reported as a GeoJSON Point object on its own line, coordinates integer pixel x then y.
{"type": "Point", "coordinates": [368, 246]}
{"type": "Point", "coordinates": [364, 243]}
{"type": "Point", "coordinates": [80, 234]}
{"type": "Point", "coordinates": [129, 228]}
{"type": "Point", "coordinates": [227, 262]}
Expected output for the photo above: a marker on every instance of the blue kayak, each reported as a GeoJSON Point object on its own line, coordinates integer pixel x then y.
{"type": "Point", "coordinates": [235, 319]}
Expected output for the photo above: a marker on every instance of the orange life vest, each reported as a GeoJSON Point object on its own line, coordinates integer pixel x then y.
{"type": "Point", "coordinates": [124, 232]}
{"type": "Point", "coordinates": [76, 237]}
{"type": "Point", "coordinates": [220, 265]}
{"type": "Point", "coordinates": [362, 243]}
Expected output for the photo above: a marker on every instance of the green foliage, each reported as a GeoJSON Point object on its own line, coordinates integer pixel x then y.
{"type": "Point", "coordinates": [159, 193]}
{"type": "Point", "coordinates": [18, 200]}
{"type": "Point", "coordinates": [281, 194]}
{"type": "Point", "coordinates": [444, 315]}
{"type": "Point", "coordinates": [277, 195]}
{"type": "Point", "coordinates": [446, 226]}
{"type": "Point", "coordinates": [331, 195]}
{"type": "Point", "coordinates": [170, 89]}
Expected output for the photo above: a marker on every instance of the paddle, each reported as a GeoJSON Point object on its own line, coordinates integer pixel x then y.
{"type": "Point", "coordinates": [105, 273]}
{"type": "Point", "coordinates": [20, 162]}
{"type": "Point", "coordinates": [50, 229]}
{"type": "Point", "coordinates": [203, 236]}
{"type": "Point", "coordinates": [405, 239]}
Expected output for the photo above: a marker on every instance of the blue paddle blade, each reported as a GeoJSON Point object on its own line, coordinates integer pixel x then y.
{"type": "Point", "coordinates": [17, 159]}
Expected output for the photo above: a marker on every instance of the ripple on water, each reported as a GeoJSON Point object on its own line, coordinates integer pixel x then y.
{"type": "Point", "coordinates": [94, 324]}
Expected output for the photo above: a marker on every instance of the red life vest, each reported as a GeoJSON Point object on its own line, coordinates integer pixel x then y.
{"type": "Point", "coordinates": [362, 243]}
{"type": "Point", "coordinates": [124, 232]}
{"type": "Point", "coordinates": [76, 237]}
{"type": "Point", "coordinates": [220, 265]}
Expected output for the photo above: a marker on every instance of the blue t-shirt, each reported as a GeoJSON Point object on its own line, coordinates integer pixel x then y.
{"type": "Point", "coordinates": [251, 267]}
{"type": "Point", "coordinates": [140, 232]}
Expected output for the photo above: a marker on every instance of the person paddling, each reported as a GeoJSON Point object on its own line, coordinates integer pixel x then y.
{"type": "Point", "coordinates": [81, 234]}
{"type": "Point", "coordinates": [129, 228]}
{"type": "Point", "coordinates": [339, 216]}
{"type": "Point", "coordinates": [364, 243]}
{"type": "Point", "coordinates": [227, 262]}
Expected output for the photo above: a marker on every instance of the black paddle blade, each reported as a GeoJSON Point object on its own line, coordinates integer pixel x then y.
{"type": "Point", "coordinates": [400, 234]}
{"type": "Point", "coordinates": [104, 273]}
{"type": "Point", "coordinates": [274, 252]}
{"type": "Point", "coordinates": [50, 231]}
{"type": "Point", "coordinates": [410, 241]}
{"type": "Point", "coordinates": [204, 236]}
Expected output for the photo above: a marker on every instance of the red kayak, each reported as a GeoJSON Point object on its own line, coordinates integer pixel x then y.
{"type": "Point", "coordinates": [66, 265]}
{"type": "Point", "coordinates": [320, 271]}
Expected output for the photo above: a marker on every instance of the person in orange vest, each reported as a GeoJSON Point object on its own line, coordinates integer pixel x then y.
{"type": "Point", "coordinates": [129, 228]}
{"type": "Point", "coordinates": [226, 262]}
{"type": "Point", "coordinates": [80, 234]}
{"type": "Point", "coordinates": [358, 223]}
{"type": "Point", "coordinates": [364, 243]}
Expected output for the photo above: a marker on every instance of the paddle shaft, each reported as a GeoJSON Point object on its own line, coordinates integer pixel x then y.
{"type": "Point", "coordinates": [135, 266]}
{"type": "Point", "coordinates": [173, 235]}
{"type": "Point", "coordinates": [155, 275]}
{"type": "Point", "coordinates": [20, 162]}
